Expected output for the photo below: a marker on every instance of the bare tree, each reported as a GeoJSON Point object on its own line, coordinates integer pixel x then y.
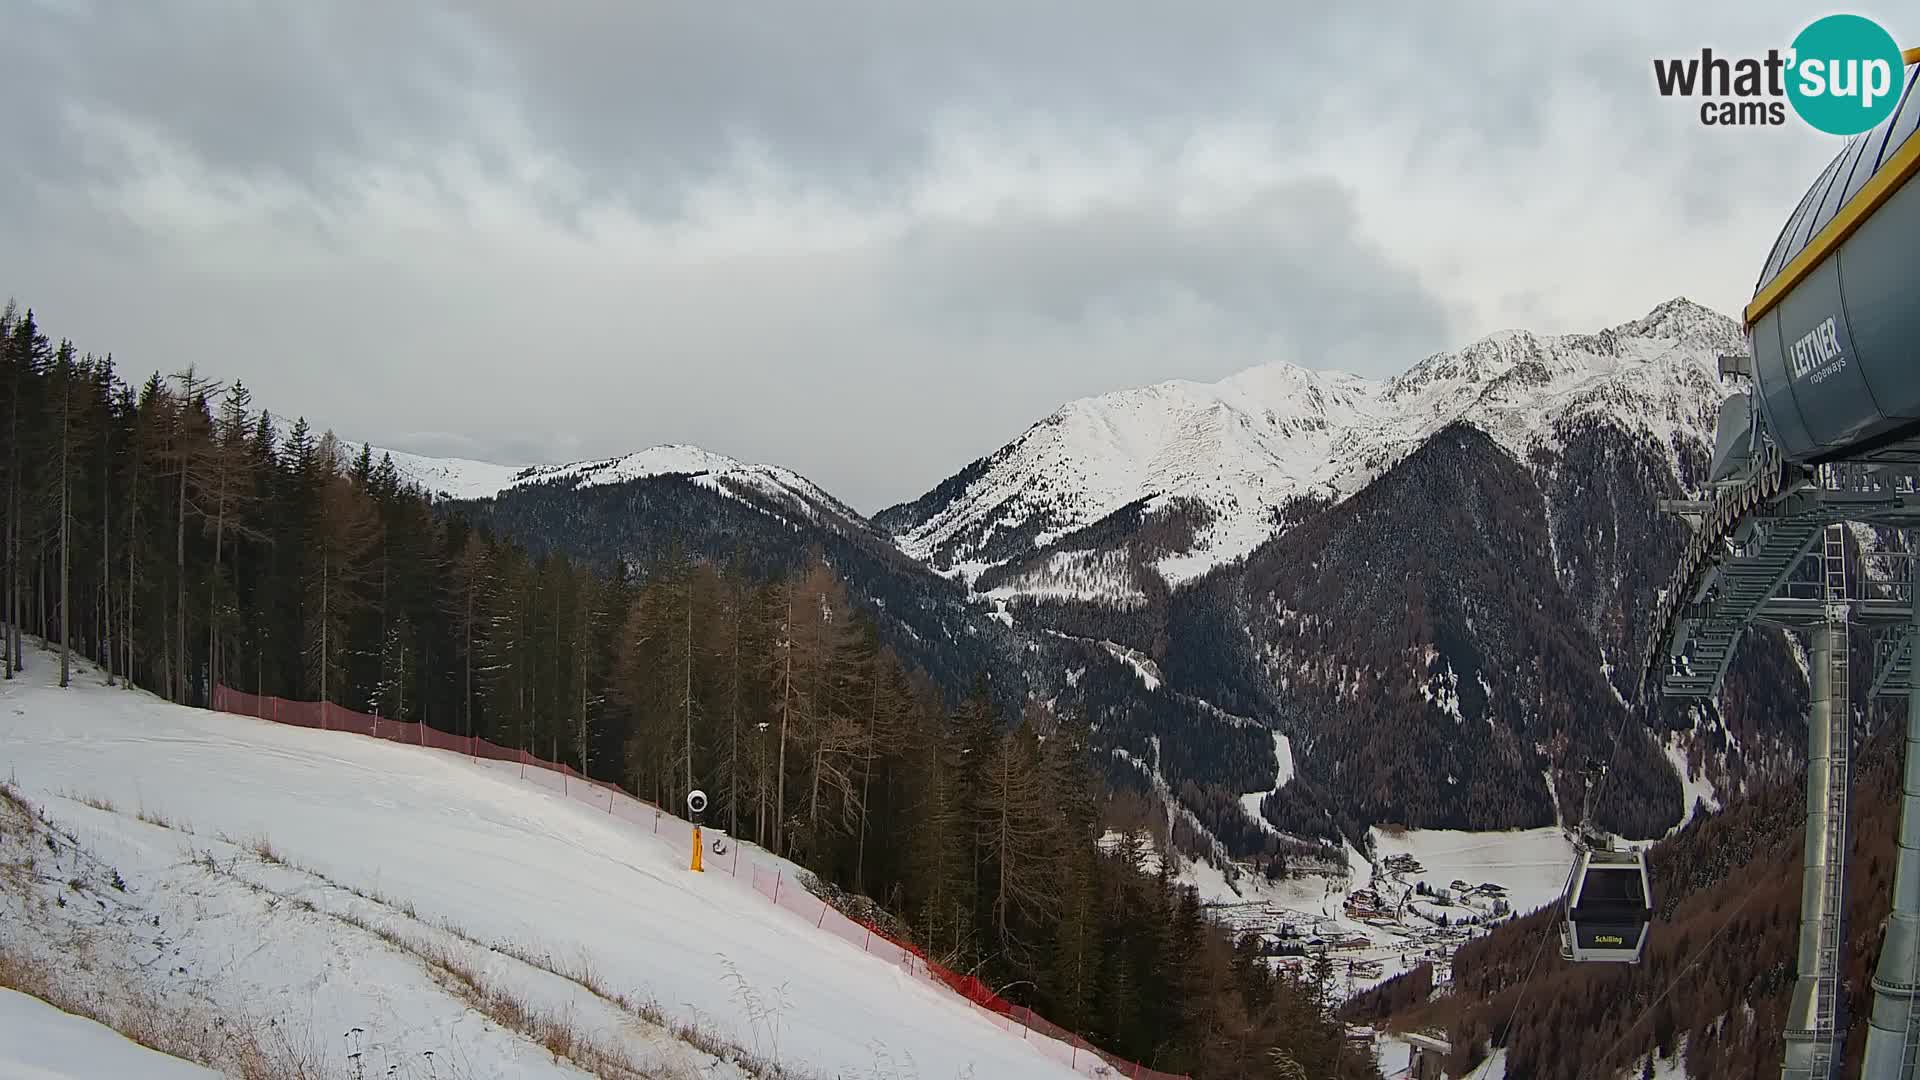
{"type": "Point", "coordinates": [733, 712]}
{"type": "Point", "coordinates": [64, 376]}
{"type": "Point", "coordinates": [470, 572]}
{"type": "Point", "coordinates": [786, 713]}
{"type": "Point", "coordinates": [883, 735]}
{"type": "Point", "coordinates": [343, 532]}
{"type": "Point", "coordinates": [186, 452]}
{"type": "Point", "coordinates": [1019, 835]}
{"type": "Point", "coordinates": [153, 420]}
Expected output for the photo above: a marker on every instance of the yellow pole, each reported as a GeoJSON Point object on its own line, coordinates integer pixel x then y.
{"type": "Point", "coordinates": [696, 850]}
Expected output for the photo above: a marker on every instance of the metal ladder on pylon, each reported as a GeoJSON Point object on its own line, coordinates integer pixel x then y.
{"type": "Point", "coordinates": [1833, 565]}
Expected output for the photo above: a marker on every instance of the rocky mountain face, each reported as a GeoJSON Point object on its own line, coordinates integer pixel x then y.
{"type": "Point", "coordinates": [1434, 585]}
{"type": "Point", "coordinates": [1181, 477]}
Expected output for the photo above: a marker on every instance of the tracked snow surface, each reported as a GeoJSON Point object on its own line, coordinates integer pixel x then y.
{"type": "Point", "coordinates": [1243, 446]}
{"type": "Point", "coordinates": [272, 871]}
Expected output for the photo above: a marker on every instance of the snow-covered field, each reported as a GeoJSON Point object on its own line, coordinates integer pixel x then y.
{"type": "Point", "coordinates": [1531, 864]}
{"type": "Point", "coordinates": [1310, 910]}
{"type": "Point", "coordinates": [39, 1042]}
{"type": "Point", "coordinates": [347, 889]}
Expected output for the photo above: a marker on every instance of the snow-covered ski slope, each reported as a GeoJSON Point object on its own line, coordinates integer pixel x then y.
{"type": "Point", "coordinates": [39, 1042]}
{"type": "Point", "coordinates": [470, 847]}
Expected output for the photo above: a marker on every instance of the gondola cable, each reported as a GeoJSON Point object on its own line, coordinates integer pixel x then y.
{"type": "Point", "coordinates": [1592, 799]}
{"type": "Point", "coordinates": [1506, 1030]}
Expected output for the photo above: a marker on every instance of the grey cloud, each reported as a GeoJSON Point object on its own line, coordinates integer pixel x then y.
{"type": "Point", "coordinates": [877, 364]}
{"type": "Point", "coordinates": [1290, 269]}
{"type": "Point", "coordinates": [649, 97]}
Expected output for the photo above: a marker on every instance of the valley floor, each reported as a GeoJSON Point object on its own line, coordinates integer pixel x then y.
{"type": "Point", "coordinates": [1528, 868]}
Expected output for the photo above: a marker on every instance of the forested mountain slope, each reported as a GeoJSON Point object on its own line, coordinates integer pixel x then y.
{"type": "Point", "coordinates": [1428, 583]}
{"type": "Point", "coordinates": [1714, 988]}
{"type": "Point", "coordinates": [763, 530]}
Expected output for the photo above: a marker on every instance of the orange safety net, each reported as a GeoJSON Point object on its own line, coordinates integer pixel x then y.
{"type": "Point", "coordinates": [1047, 1038]}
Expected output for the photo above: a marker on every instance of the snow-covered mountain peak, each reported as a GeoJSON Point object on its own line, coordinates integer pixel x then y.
{"type": "Point", "coordinates": [1682, 320]}
{"type": "Point", "coordinates": [1234, 446]}
{"type": "Point", "coordinates": [669, 459]}
{"type": "Point", "coordinates": [1237, 450]}
{"type": "Point", "coordinates": [456, 478]}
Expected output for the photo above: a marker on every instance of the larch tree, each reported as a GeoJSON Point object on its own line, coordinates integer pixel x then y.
{"type": "Point", "coordinates": [187, 453]}
{"type": "Point", "coordinates": [341, 534]}
{"type": "Point", "coordinates": [471, 569]}
{"type": "Point", "coordinates": [69, 401]}
{"type": "Point", "coordinates": [1020, 832]}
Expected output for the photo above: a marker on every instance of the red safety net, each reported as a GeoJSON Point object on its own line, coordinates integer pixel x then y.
{"type": "Point", "coordinates": [769, 881]}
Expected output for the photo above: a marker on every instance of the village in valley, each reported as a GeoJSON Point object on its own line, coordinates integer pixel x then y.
{"type": "Point", "coordinates": [1356, 923]}
{"type": "Point", "coordinates": [1360, 936]}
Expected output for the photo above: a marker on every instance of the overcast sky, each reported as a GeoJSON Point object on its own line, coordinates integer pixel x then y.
{"type": "Point", "coordinates": [869, 239]}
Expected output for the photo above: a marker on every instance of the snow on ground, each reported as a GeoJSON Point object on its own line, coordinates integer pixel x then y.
{"type": "Point", "coordinates": [39, 1042]}
{"type": "Point", "coordinates": [422, 841]}
{"type": "Point", "coordinates": [1141, 663]}
{"type": "Point", "coordinates": [1244, 445]}
{"type": "Point", "coordinates": [1395, 1056]}
{"type": "Point", "coordinates": [453, 478]}
{"type": "Point", "coordinates": [1389, 928]}
{"type": "Point", "coordinates": [1692, 788]}
{"type": "Point", "coordinates": [1531, 864]}
{"type": "Point", "coordinates": [1074, 575]}
{"type": "Point", "coordinates": [1671, 1068]}
{"type": "Point", "coordinates": [1283, 760]}
{"type": "Point", "coordinates": [1113, 841]}
{"type": "Point", "coordinates": [459, 478]}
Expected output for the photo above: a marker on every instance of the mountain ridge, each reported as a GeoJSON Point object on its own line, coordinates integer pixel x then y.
{"type": "Point", "coordinates": [1240, 449]}
{"type": "Point", "coordinates": [1170, 529]}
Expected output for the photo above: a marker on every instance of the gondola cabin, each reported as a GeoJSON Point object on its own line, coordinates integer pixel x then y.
{"type": "Point", "coordinates": [1607, 908]}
